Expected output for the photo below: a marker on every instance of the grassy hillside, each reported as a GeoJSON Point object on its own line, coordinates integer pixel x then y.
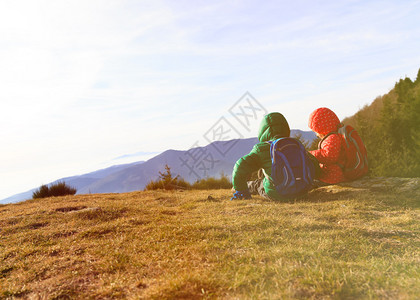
{"type": "Point", "coordinates": [337, 242]}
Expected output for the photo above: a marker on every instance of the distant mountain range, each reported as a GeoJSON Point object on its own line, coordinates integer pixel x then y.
{"type": "Point", "coordinates": [210, 161]}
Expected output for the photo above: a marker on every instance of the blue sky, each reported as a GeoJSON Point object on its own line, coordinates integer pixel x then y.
{"type": "Point", "coordinates": [85, 82]}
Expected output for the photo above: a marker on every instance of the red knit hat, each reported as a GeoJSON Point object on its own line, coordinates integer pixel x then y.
{"type": "Point", "coordinates": [323, 121]}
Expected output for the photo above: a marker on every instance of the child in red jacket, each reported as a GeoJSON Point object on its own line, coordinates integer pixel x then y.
{"type": "Point", "coordinates": [331, 153]}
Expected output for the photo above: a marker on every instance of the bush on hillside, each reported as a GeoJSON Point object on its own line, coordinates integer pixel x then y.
{"type": "Point", "coordinates": [212, 183]}
{"type": "Point", "coordinates": [166, 181]}
{"type": "Point", "coordinates": [314, 144]}
{"type": "Point", "coordinates": [390, 129]}
{"type": "Point", "coordinates": [300, 138]}
{"type": "Point", "coordinates": [54, 190]}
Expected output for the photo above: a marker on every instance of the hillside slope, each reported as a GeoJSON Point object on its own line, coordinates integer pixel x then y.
{"type": "Point", "coordinates": [390, 129]}
{"type": "Point", "coordinates": [353, 241]}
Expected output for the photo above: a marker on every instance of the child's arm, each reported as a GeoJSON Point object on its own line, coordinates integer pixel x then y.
{"type": "Point", "coordinates": [243, 168]}
{"type": "Point", "coordinates": [330, 150]}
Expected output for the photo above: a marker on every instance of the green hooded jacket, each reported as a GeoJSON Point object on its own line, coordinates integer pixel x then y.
{"type": "Point", "coordinates": [272, 127]}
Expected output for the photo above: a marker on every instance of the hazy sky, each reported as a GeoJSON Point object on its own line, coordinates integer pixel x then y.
{"type": "Point", "coordinates": [84, 83]}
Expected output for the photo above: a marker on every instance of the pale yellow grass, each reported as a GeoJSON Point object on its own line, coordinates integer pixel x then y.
{"type": "Point", "coordinates": [343, 243]}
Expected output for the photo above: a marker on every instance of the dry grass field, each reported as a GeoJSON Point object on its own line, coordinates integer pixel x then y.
{"type": "Point", "coordinates": [335, 243]}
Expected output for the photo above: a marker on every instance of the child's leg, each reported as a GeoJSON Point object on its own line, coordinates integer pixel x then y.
{"type": "Point", "coordinates": [256, 187]}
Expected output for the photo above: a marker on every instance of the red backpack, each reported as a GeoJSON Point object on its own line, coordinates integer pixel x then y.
{"type": "Point", "coordinates": [356, 164]}
{"type": "Point", "coordinates": [356, 155]}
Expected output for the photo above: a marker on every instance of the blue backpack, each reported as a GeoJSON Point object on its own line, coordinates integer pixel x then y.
{"type": "Point", "coordinates": [292, 171]}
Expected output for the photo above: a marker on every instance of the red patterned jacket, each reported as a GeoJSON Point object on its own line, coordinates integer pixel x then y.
{"type": "Point", "coordinates": [331, 153]}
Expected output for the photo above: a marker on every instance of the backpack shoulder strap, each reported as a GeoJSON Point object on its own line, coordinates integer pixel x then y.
{"type": "Point", "coordinates": [325, 137]}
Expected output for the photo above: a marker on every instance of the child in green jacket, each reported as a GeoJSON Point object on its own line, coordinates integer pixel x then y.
{"type": "Point", "coordinates": [272, 127]}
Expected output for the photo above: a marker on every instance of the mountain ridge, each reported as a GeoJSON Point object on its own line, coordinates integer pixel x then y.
{"type": "Point", "coordinates": [211, 160]}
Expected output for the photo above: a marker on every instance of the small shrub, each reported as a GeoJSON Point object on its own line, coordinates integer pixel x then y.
{"type": "Point", "coordinates": [212, 183]}
{"type": "Point", "coordinates": [314, 144]}
{"type": "Point", "coordinates": [56, 189]}
{"type": "Point", "coordinates": [299, 137]}
{"type": "Point", "coordinates": [167, 182]}
{"type": "Point", "coordinates": [42, 192]}
{"type": "Point", "coordinates": [309, 145]}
